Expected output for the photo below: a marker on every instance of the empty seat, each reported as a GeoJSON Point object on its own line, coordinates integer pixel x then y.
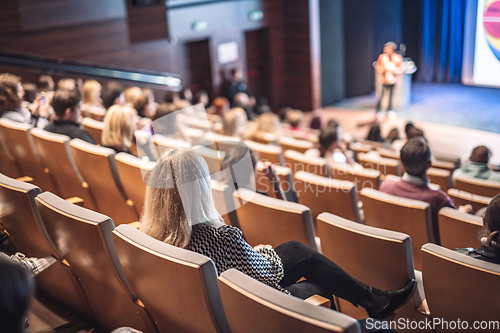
{"type": "Point", "coordinates": [94, 127]}
{"type": "Point", "coordinates": [461, 198]}
{"type": "Point", "coordinates": [224, 203]}
{"type": "Point", "coordinates": [212, 156]}
{"type": "Point", "coordinates": [271, 153]}
{"type": "Point", "coordinates": [132, 171]}
{"type": "Point", "coordinates": [85, 238]}
{"type": "Point", "coordinates": [361, 148]}
{"type": "Point", "coordinates": [252, 306]}
{"type": "Point", "coordinates": [19, 216]}
{"type": "Point", "coordinates": [447, 158]}
{"type": "Point", "coordinates": [263, 184]}
{"type": "Point", "coordinates": [411, 217]}
{"type": "Point", "coordinates": [445, 165]}
{"type": "Point", "coordinates": [55, 153]}
{"type": "Point", "coordinates": [460, 287]}
{"type": "Point", "coordinates": [458, 230]}
{"type": "Point", "coordinates": [440, 177]}
{"type": "Point", "coordinates": [360, 176]}
{"type": "Point", "coordinates": [98, 168]}
{"type": "Point", "coordinates": [17, 137]}
{"type": "Point", "coordinates": [222, 142]}
{"type": "Point", "coordinates": [386, 166]}
{"type": "Point", "coordinates": [301, 146]}
{"type": "Point", "coordinates": [265, 138]}
{"type": "Point", "coordinates": [266, 220]}
{"type": "Point", "coordinates": [197, 123]}
{"type": "Point", "coordinates": [8, 165]}
{"type": "Point", "coordinates": [482, 187]}
{"type": "Point", "coordinates": [193, 136]}
{"type": "Point", "coordinates": [177, 286]}
{"type": "Point", "coordinates": [388, 153]}
{"type": "Point", "coordinates": [380, 258]}
{"type": "Point", "coordinates": [300, 162]}
{"type": "Point", "coordinates": [322, 194]}
{"type": "Point", "coordinates": [162, 143]}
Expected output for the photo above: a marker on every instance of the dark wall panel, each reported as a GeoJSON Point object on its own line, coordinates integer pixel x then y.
{"type": "Point", "coordinates": [332, 51]}
{"type": "Point", "coordinates": [387, 24]}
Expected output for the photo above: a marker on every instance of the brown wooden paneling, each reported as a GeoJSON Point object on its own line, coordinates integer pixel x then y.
{"type": "Point", "coordinates": [200, 65]}
{"type": "Point", "coordinates": [10, 20]}
{"type": "Point", "coordinates": [258, 63]}
{"type": "Point", "coordinates": [147, 23]}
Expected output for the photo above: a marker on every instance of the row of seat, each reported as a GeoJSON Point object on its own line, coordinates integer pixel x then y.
{"type": "Point", "coordinates": [121, 277]}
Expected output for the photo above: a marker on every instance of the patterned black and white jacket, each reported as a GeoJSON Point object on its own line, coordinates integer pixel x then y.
{"type": "Point", "coordinates": [227, 248]}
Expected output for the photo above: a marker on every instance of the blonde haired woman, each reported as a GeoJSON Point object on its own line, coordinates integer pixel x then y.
{"type": "Point", "coordinates": [179, 210]}
{"type": "Point", "coordinates": [267, 128]}
{"type": "Point", "coordinates": [91, 100]}
{"type": "Point", "coordinates": [119, 127]}
{"type": "Point", "coordinates": [234, 123]}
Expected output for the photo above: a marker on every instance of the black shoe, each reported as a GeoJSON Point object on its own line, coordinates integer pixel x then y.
{"type": "Point", "coordinates": [389, 301]}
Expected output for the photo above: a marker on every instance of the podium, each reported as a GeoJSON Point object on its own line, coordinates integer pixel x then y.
{"type": "Point", "coordinates": [401, 96]}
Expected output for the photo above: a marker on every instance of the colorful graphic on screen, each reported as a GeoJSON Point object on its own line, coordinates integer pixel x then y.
{"type": "Point", "coordinates": [491, 21]}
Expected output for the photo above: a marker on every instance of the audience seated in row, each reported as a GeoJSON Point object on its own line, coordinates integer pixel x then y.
{"type": "Point", "coordinates": [477, 166]}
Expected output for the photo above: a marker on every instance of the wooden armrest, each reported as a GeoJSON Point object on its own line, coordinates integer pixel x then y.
{"type": "Point", "coordinates": [135, 224]}
{"type": "Point", "coordinates": [75, 201]}
{"type": "Point", "coordinates": [25, 179]}
{"type": "Point", "coordinates": [424, 308]}
{"type": "Point", "coordinates": [319, 301]}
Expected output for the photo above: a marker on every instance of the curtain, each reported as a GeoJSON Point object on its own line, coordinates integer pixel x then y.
{"type": "Point", "coordinates": [443, 23]}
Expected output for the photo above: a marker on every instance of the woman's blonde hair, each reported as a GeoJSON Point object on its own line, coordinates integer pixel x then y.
{"type": "Point", "coordinates": [178, 196]}
{"type": "Point", "coordinates": [294, 117]}
{"type": "Point", "coordinates": [119, 127]}
{"type": "Point", "coordinates": [91, 93]}
{"type": "Point", "coordinates": [234, 122]}
{"type": "Point", "coordinates": [266, 123]}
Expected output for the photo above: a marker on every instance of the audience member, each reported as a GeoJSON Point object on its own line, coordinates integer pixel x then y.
{"type": "Point", "coordinates": [11, 96]}
{"type": "Point", "coordinates": [111, 94]}
{"type": "Point", "coordinates": [330, 140]}
{"type": "Point", "coordinates": [185, 216]}
{"type": "Point", "coordinates": [119, 127]}
{"type": "Point", "coordinates": [235, 85]}
{"type": "Point", "coordinates": [294, 118]}
{"type": "Point", "coordinates": [131, 94]}
{"type": "Point", "coordinates": [374, 134]}
{"type": "Point", "coordinates": [416, 158]}
{"type": "Point", "coordinates": [267, 123]}
{"type": "Point", "coordinates": [16, 290]}
{"type": "Point", "coordinates": [261, 106]}
{"type": "Point", "coordinates": [165, 121]}
{"type": "Point", "coordinates": [91, 100]}
{"type": "Point", "coordinates": [67, 84]}
{"type": "Point", "coordinates": [315, 123]}
{"type": "Point", "coordinates": [477, 166]}
{"type": "Point", "coordinates": [220, 106]}
{"type": "Point", "coordinates": [234, 123]}
{"type": "Point", "coordinates": [201, 97]}
{"type": "Point", "coordinates": [30, 93]}
{"type": "Point", "coordinates": [393, 136]}
{"type": "Point", "coordinates": [186, 94]}
{"type": "Point", "coordinates": [145, 105]}
{"type": "Point", "coordinates": [46, 84]}
{"type": "Point", "coordinates": [171, 97]}
{"type": "Point", "coordinates": [66, 105]}
{"type": "Point", "coordinates": [489, 235]}
{"type": "Point", "coordinates": [241, 100]}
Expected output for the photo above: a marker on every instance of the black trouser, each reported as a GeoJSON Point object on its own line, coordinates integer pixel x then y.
{"type": "Point", "coordinates": [385, 87]}
{"type": "Point", "coordinates": [323, 276]}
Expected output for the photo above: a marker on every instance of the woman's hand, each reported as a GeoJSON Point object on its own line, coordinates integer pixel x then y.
{"type": "Point", "coordinates": [40, 107]}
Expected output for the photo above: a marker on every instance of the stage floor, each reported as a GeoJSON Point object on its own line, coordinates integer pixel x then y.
{"type": "Point", "coordinates": [450, 104]}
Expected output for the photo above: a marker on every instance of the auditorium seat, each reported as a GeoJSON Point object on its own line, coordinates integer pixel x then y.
{"type": "Point", "coordinates": [177, 286]}
{"type": "Point", "coordinates": [301, 146]}
{"type": "Point", "coordinates": [380, 258]}
{"type": "Point", "coordinates": [252, 306]}
{"type": "Point", "coordinates": [20, 217]}
{"type": "Point", "coordinates": [458, 230]}
{"type": "Point", "coordinates": [461, 198]}
{"type": "Point", "coordinates": [194, 136]}
{"type": "Point", "coordinates": [17, 137]}
{"type": "Point", "coordinates": [8, 165]}
{"type": "Point", "coordinates": [212, 156]}
{"type": "Point", "coordinates": [55, 153]}
{"type": "Point", "coordinates": [132, 171]}
{"type": "Point", "coordinates": [94, 127]}
{"type": "Point", "coordinates": [197, 123]}
{"type": "Point", "coordinates": [411, 217]}
{"type": "Point", "coordinates": [266, 138]}
{"type": "Point", "coordinates": [447, 158]}
{"type": "Point", "coordinates": [445, 165]}
{"type": "Point", "coordinates": [98, 168]}
{"type": "Point", "coordinates": [460, 287]}
{"type": "Point", "coordinates": [266, 220]}
{"type": "Point", "coordinates": [264, 152]}
{"type": "Point", "coordinates": [441, 177]}
{"type": "Point", "coordinates": [222, 142]}
{"type": "Point", "coordinates": [482, 187]}
{"type": "Point", "coordinates": [322, 194]}
{"type": "Point", "coordinates": [388, 153]}
{"type": "Point", "coordinates": [361, 177]}
{"type": "Point", "coordinates": [386, 166]}
{"type": "Point", "coordinates": [263, 184]}
{"type": "Point", "coordinates": [361, 148]}
{"type": "Point", "coordinates": [300, 162]}
{"type": "Point", "coordinates": [162, 143]}
{"type": "Point", "coordinates": [223, 200]}
{"type": "Point", "coordinates": [85, 237]}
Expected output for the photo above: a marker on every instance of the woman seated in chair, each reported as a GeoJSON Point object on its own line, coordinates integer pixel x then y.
{"type": "Point", "coordinates": [179, 210]}
{"type": "Point", "coordinates": [267, 127]}
{"type": "Point", "coordinates": [119, 127]}
{"type": "Point", "coordinates": [489, 235]}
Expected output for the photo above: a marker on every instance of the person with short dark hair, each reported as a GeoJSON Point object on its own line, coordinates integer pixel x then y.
{"type": "Point", "coordinates": [374, 134]}
{"type": "Point", "coordinates": [330, 139]}
{"type": "Point", "coordinates": [45, 84]}
{"type": "Point", "coordinates": [235, 85]}
{"type": "Point", "coordinates": [112, 93]}
{"type": "Point", "coordinates": [416, 158]}
{"type": "Point", "coordinates": [66, 105]}
{"type": "Point", "coordinates": [30, 92]}
{"type": "Point", "coordinates": [477, 166]}
{"type": "Point", "coordinates": [16, 290]}
{"type": "Point", "coordinates": [201, 97]}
